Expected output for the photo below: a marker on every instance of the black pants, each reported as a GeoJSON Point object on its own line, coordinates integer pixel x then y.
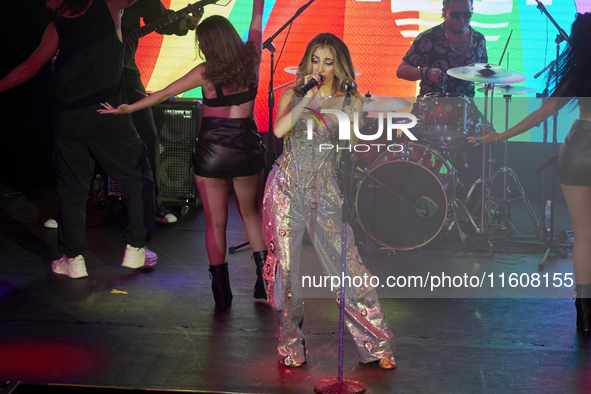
{"type": "Point", "coordinates": [117, 147]}
{"type": "Point", "coordinates": [146, 128]}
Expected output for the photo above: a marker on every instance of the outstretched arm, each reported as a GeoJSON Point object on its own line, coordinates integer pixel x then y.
{"type": "Point", "coordinates": [190, 81]}
{"type": "Point", "coordinates": [28, 69]}
{"type": "Point", "coordinates": [550, 106]}
{"type": "Point", "coordinates": [255, 34]}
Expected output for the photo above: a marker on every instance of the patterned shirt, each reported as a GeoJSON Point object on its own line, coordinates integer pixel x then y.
{"type": "Point", "coordinates": [432, 48]}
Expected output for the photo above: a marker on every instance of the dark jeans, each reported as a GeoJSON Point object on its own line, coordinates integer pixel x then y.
{"type": "Point", "coordinates": [123, 156]}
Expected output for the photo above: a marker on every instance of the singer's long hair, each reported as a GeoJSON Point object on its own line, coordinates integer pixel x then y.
{"type": "Point", "coordinates": [343, 65]}
{"type": "Point", "coordinates": [230, 63]}
{"type": "Point", "coordinates": [572, 73]}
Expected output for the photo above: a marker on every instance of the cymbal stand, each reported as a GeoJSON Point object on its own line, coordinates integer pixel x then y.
{"type": "Point", "coordinates": [485, 183]}
{"type": "Point", "coordinates": [503, 206]}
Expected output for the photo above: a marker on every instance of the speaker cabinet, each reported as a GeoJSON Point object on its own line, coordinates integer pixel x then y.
{"type": "Point", "coordinates": [177, 122]}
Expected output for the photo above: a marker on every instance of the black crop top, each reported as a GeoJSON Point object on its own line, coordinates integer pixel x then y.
{"type": "Point", "coordinates": [232, 99]}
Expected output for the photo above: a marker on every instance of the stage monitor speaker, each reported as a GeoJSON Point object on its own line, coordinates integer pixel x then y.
{"type": "Point", "coordinates": [177, 122]}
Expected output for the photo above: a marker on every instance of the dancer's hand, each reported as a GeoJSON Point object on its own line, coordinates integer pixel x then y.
{"type": "Point", "coordinates": [122, 109]}
{"type": "Point", "coordinates": [491, 137]}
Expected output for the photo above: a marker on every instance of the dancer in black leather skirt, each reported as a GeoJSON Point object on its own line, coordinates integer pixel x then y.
{"type": "Point", "coordinates": [572, 80]}
{"type": "Point", "coordinates": [229, 148]}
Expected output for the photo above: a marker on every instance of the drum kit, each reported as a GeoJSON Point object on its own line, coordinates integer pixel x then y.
{"type": "Point", "coordinates": [405, 197]}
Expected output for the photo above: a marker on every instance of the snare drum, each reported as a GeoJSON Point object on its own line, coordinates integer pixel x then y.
{"type": "Point", "coordinates": [402, 201]}
{"type": "Point", "coordinates": [443, 120]}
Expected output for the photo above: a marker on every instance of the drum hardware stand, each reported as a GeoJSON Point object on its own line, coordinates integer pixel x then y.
{"type": "Point", "coordinates": [455, 207]}
{"type": "Point", "coordinates": [552, 244]}
{"type": "Point", "coordinates": [485, 216]}
{"type": "Point", "coordinates": [470, 215]}
{"type": "Point", "coordinates": [485, 200]}
{"type": "Point", "coordinates": [485, 74]}
{"type": "Point", "coordinates": [503, 206]}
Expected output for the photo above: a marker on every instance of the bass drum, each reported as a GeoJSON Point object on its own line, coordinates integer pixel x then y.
{"type": "Point", "coordinates": [402, 201]}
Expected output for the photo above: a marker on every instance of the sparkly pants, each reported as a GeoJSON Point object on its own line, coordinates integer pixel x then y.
{"type": "Point", "coordinates": [287, 212]}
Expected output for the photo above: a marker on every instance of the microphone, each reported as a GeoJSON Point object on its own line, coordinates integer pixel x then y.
{"type": "Point", "coordinates": [313, 82]}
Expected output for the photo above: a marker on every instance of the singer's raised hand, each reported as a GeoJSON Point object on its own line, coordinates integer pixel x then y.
{"type": "Point", "coordinates": [109, 109]}
{"type": "Point", "coordinates": [312, 90]}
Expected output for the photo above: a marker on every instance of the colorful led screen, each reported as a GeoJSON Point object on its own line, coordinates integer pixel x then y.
{"type": "Point", "coordinates": [378, 34]}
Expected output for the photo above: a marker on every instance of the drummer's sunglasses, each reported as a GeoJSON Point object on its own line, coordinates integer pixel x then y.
{"type": "Point", "coordinates": [456, 14]}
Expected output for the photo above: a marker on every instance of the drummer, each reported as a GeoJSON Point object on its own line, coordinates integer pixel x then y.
{"type": "Point", "coordinates": [454, 43]}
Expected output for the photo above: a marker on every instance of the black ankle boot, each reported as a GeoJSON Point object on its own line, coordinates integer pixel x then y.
{"type": "Point", "coordinates": [260, 288]}
{"type": "Point", "coordinates": [220, 285]}
{"type": "Point", "coordinates": [583, 305]}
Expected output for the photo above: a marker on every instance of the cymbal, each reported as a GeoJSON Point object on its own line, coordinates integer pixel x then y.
{"type": "Point", "coordinates": [508, 90]}
{"type": "Point", "coordinates": [294, 70]}
{"type": "Point", "coordinates": [486, 73]}
{"type": "Point", "coordinates": [379, 103]}
{"type": "Point", "coordinates": [291, 70]}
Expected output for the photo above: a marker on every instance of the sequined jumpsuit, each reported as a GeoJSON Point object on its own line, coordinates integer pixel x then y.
{"type": "Point", "coordinates": [303, 195]}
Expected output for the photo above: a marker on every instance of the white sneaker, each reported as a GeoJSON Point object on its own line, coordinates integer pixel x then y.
{"type": "Point", "coordinates": [163, 215]}
{"type": "Point", "coordinates": [50, 223]}
{"type": "Point", "coordinates": [139, 257]}
{"type": "Point", "coordinates": [74, 267]}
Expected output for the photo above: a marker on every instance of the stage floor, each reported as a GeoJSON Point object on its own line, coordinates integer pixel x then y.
{"type": "Point", "coordinates": [157, 329]}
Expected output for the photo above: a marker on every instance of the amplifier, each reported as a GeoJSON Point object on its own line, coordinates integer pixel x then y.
{"type": "Point", "coordinates": [177, 122]}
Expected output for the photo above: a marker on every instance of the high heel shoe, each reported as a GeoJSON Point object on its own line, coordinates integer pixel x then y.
{"type": "Point", "coordinates": [387, 363]}
{"type": "Point", "coordinates": [260, 288]}
{"type": "Point", "coordinates": [220, 285]}
{"type": "Point", "coordinates": [583, 306]}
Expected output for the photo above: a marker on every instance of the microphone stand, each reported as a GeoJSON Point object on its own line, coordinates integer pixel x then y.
{"type": "Point", "coordinates": [547, 231]}
{"type": "Point", "coordinates": [268, 45]}
{"type": "Point", "coordinates": [340, 385]}
{"type": "Point", "coordinates": [543, 9]}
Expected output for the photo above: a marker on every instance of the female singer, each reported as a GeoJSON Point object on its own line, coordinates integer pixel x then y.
{"type": "Point", "coordinates": [303, 195]}
{"type": "Point", "coordinates": [229, 146]}
{"type": "Point", "coordinates": [574, 162]}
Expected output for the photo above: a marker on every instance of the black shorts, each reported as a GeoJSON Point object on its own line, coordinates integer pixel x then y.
{"type": "Point", "coordinates": [228, 148]}
{"type": "Point", "coordinates": [574, 162]}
